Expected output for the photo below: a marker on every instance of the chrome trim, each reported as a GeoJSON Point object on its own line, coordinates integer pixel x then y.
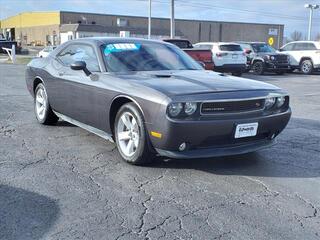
{"type": "Point", "coordinates": [91, 129]}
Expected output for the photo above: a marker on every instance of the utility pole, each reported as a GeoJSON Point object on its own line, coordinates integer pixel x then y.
{"type": "Point", "coordinates": [149, 21]}
{"type": "Point", "coordinates": [311, 7]}
{"type": "Point", "coordinates": [172, 23]}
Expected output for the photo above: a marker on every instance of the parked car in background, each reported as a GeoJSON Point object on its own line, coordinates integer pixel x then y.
{"type": "Point", "coordinates": [46, 51]}
{"type": "Point", "coordinates": [304, 55]}
{"type": "Point", "coordinates": [264, 58]}
{"type": "Point", "coordinates": [203, 56]}
{"type": "Point", "coordinates": [227, 57]}
{"type": "Point", "coordinates": [152, 98]}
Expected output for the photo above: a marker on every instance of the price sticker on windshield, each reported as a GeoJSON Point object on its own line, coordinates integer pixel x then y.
{"type": "Point", "coordinates": [120, 47]}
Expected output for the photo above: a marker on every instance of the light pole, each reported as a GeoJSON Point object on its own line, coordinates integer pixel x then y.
{"type": "Point", "coordinates": [311, 7]}
{"type": "Point", "coordinates": [149, 21]}
{"type": "Point", "coordinates": [172, 23]}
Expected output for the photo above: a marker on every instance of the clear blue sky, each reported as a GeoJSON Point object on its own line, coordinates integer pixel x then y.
{"type": "Point", "coordinates": [288, 12]}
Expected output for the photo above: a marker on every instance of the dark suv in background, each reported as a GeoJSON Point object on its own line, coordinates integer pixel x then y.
{"type": "Point", "coordinates": [263, 58]}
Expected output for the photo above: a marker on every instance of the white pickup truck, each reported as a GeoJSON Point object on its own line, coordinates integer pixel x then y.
{"type": "Point", "coordinates": [304, 55]}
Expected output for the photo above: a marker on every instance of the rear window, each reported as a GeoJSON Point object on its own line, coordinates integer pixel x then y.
{"type": "Point", "coordinates": [182, 44]}
{"type": "Point", "coordinates": [230, 47]}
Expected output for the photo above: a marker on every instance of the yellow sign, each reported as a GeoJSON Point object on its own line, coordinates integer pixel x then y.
{"type": "Point", "coordinates": [271, 41]}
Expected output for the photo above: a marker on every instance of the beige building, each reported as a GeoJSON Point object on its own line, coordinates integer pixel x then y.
{"type": "Point", "coordinates": [42, 28]}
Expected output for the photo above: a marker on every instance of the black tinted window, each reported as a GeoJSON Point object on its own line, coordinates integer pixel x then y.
{"type": "Point", "coordinates": [304, 46]}
{"type": "Point", "coordinates": [289, 47]}
{"type": "Point", "coordinates": [80, 52]}
{"type": "Point", "coordinates": [262, 48]}
{"type": "Point", "coordinates": [230, 47]}
{"type": "Point", "coordinates": [181, 44]}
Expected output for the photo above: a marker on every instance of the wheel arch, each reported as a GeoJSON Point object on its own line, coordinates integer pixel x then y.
{"type": "Point", "coordinates": [305, 58]}
{"type": "Point", "coordinates": [36, 82]}
{"type": "Point", "coordinates": [116, 104]}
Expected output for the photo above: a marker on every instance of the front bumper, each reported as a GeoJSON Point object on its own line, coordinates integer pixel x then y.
{"type": "Point", "coordinates": [211, 138]}
{"type": "Point", "coordinates": [274, 66]}
{"type": "Point", "coordinates": [217, 151]}
{"type": "Point", "coordinates": [230, 68]}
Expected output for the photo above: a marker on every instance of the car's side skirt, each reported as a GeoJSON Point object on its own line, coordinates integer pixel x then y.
{"type": "Point", "coordinates": [89, 128]}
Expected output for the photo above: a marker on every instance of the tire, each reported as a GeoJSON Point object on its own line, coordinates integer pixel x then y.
{"type": "Point", "coordinates": [42, 108]}
{"type": "Point", "coordinates": [131, 136]}
{"type": "Point", "coordinates": [280, 72]}
{"type": "Point", "coordinates": [258, 68]}
{"type": "Point", "coordinates": [237, 74]}
{"type": "Point", "coordinates": [306, 66]}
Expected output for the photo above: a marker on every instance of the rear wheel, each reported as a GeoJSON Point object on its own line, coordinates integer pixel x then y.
{"type": "Point", "coordinates": [306, 66]}
{"type": "Point", "coordinates": [42, 108]}
{"type": "Point", "coordinates": [131, 136]}
{"type": "Point", "coordinates": [258, 68]}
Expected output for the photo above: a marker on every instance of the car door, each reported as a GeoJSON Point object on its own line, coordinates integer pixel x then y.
{"type": "Point", "coordinates": [75, 94]}
{"type": "Point", "coordinates": [288, 49]}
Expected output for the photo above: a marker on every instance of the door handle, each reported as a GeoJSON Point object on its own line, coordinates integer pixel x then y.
{"type": "Point", "coordinates": [61, 73]}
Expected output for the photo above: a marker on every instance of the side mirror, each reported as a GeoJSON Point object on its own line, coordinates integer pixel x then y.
{"type": "Point", "coordinates": [280, 50]}
{"type": "Point", "coordinates": [80, 65]}
{"type": "Point", "coordinates": [247, 51]}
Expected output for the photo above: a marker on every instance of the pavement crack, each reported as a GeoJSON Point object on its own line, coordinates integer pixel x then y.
{"type": "Point", "coordinates": [24, 166]}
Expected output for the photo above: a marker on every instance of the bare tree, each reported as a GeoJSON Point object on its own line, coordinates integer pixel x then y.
{"type": "Point", "coordinates": [296, 36]}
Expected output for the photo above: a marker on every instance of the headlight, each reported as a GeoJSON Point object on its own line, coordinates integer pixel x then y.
{"type": "Point", "coordinates": [174, 109]}
{"type": "Point", "coordinates": [269, 102]}
{"type": "Point", "coordinates": [272, 58]}
{"type": "Point", "coordinates": [267, 57]}
{"type": "Point", "coordinates": [190, 108]}
{"type": "Point", "coordinates": [280, 101]}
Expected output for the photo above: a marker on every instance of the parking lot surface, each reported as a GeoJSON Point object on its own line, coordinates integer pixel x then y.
{"type": "Point", "coordinates": [61, 182]}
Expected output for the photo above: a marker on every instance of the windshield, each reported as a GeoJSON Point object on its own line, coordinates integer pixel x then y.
{"type": "Point", "coordinates": [263, 48]}
{"type": "Point", "coordinates": [146, 56]}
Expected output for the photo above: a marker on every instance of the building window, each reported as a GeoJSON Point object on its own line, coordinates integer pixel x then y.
{"type": "Point", "coordinates": [121, 22]}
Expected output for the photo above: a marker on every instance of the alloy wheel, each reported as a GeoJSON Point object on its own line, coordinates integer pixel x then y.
{"type": "Point", "coordinates": [128, 134]}
{"type": "Point", "coordinates": [41, 103]}
{"type": "Point", "coordinates": [306, 67]}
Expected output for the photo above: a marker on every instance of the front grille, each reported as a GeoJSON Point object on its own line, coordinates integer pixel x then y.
{"type": "Point", "coordinates": [232, 106]}
{"type": "Point", "coordinates": [281, 59]}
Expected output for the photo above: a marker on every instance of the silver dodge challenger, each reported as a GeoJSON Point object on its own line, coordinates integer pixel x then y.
{"type": "Point", "coordinates": [151, 98]}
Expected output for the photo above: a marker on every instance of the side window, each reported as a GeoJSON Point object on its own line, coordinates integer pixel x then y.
{"type": "Point", "coordinates": [300, 47]}
{"type": "Point", "coordinates": [310, 46]}
{"type": "Point", "coordinates": [289, 47]}
{"type": "Point", "coordinates": [80, 52]}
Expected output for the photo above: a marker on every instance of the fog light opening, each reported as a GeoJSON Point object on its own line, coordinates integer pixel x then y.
{"type": "Point", "coordinates": [182, 147]}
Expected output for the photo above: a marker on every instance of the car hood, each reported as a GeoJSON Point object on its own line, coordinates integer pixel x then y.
{"type": "Point", "coordinates": [184, 82]}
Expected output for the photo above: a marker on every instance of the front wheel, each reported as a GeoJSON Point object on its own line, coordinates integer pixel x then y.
{"type": "Point", "coordinates": [131, 136]}
{"type": "Point", "coordinates": [258, 68]}
{"type": "Point", "coordinates": [306, 67]}
{"type": "Point", "coordinates": [42, 108]}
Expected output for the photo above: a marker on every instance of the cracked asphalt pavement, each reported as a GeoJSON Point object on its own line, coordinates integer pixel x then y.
{"type": "Point", "coordinates": [62, 182]}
